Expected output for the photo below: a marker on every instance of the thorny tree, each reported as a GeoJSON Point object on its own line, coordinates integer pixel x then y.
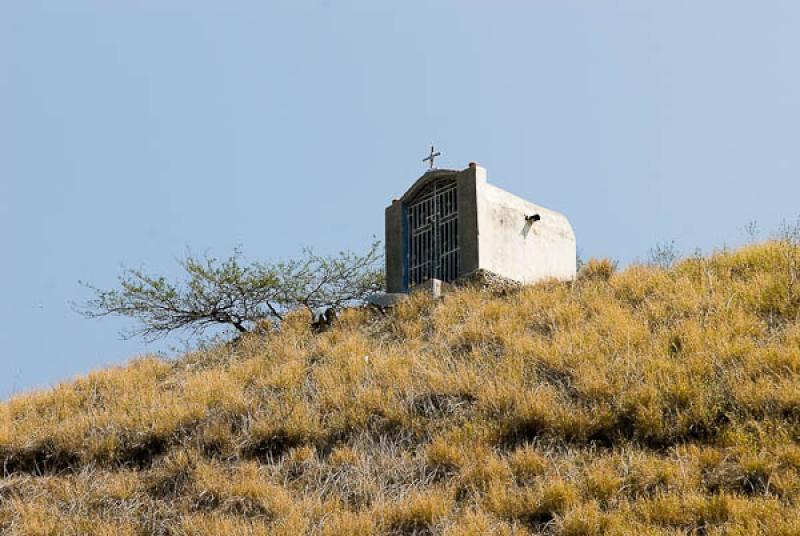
{"type": "Point", "coordinates": [231, 293]}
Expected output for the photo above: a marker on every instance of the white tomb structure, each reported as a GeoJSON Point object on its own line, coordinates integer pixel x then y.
{"type": "Point", "coordinates": [451, 224]}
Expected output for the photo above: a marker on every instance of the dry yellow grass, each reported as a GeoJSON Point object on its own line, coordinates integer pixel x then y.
{"type": "Point", "coordinates": [642, 402]}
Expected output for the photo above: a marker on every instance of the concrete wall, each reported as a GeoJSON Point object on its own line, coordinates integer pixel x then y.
{"type": "Point", "coordinates": [395, 243]}
{"type": "Point", "coordinates": [522, 250]}
{"type": "Point", "coordinates": [468, 184]}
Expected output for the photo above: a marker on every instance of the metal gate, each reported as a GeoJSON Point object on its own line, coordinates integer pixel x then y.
{"type": "Point", "coordinates": [433, 234]}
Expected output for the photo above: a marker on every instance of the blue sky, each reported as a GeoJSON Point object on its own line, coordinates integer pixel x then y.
{"type": "Point", "coordinates": [133, 130]}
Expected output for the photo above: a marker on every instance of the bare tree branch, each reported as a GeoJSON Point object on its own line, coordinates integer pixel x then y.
{"type": "Point", "coordinates": [238, 295]}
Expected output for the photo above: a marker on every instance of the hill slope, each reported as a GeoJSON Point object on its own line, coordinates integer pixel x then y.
{"type": "Point", "coordinates": [648, 401]}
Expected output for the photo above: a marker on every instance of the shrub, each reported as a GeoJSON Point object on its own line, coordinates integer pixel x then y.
{"type": "Point", "coordinates": [597, 270]}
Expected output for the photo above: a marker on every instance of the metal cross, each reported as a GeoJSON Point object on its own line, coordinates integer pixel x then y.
{"type": "Point", "coordinates": [432, 156]}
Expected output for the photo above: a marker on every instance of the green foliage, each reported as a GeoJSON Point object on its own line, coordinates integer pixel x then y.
{"type": "Point", "coordinates": [232, 293]}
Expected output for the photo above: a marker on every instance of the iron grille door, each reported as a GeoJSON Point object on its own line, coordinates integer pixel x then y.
{"type": "Point", "coordinates": [433, 250]}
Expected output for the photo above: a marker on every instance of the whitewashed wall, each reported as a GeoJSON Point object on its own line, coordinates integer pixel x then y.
{"type": "Point", "coordinates": [514, 248]}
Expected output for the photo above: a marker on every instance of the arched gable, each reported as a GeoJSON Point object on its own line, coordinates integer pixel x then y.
{"type": "Point", "coordinates": [426, 183]}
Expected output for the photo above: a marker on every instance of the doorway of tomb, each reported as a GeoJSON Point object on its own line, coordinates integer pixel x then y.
{"type": "Point", "coordinates": [433, 249]}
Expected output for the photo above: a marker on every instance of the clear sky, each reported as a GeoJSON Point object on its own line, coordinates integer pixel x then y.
{"type": "Point", "coordinates": [133, 130]}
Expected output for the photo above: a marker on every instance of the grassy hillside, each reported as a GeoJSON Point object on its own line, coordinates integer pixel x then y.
{"type": "Point", "coordinates": [648, 401]}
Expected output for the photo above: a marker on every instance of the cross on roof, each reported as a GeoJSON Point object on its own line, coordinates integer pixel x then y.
{"type": "Point", "coordinates": [432, 156]}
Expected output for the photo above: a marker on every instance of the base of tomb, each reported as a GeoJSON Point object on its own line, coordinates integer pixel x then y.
{"type": "Point", "coordinates": [486, 280]}
{"type": "Point", "coordinates": [385, 300]}
{"type": "Point", "coordinates": [481, 279]}
{"type": "Point", "coordinates": [435, 287]}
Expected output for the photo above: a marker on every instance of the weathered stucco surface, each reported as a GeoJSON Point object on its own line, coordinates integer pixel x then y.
{"type": "Point", "coordinates": [519, 249]}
